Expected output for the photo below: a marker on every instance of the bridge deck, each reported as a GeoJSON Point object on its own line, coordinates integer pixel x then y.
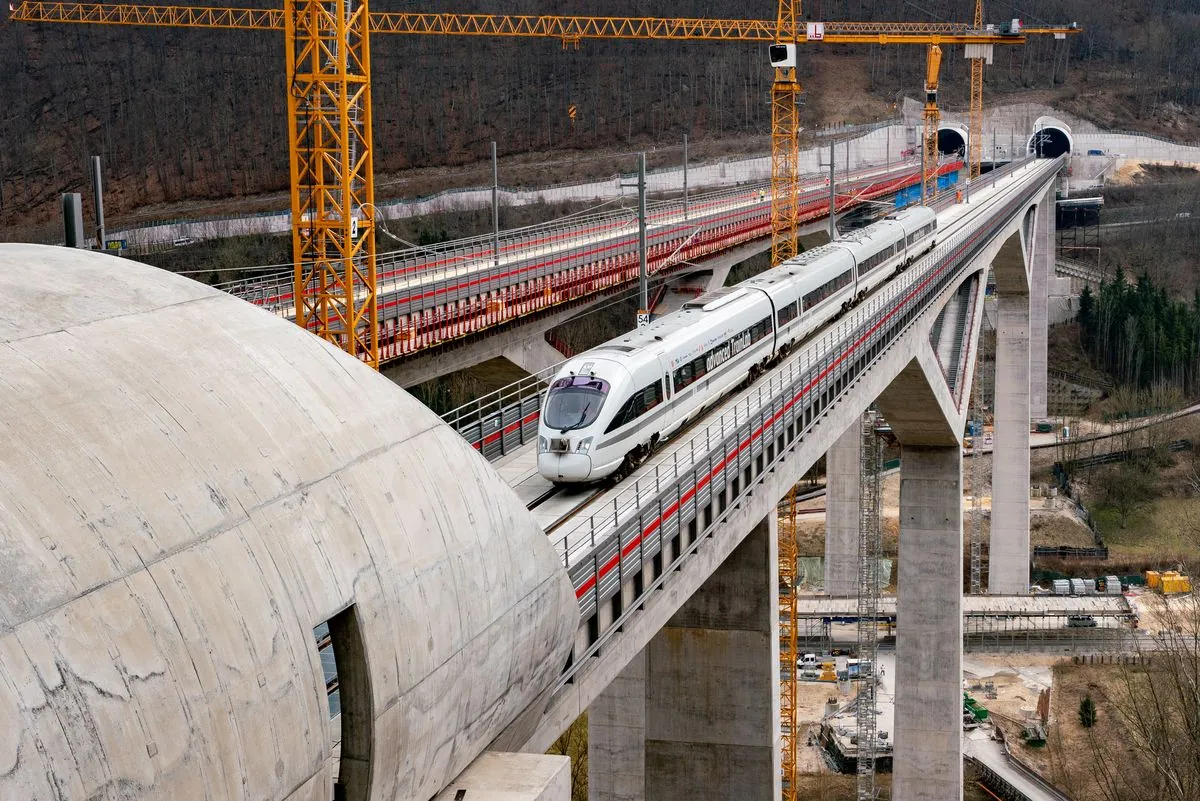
{"type": "Point", "coordinates": [519, 467]}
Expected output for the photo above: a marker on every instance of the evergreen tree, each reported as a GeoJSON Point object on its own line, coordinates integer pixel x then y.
{"type": "Point", "coordinates": [1087, 712]}
{"type": "Point", "coordinates": [1087, 316]}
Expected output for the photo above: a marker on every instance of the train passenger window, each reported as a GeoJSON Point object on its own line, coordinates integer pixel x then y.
{"type": "Point", "coordinates": [689, 373]}
{"type": "Point", "coordinates": [574, 402]}
{"type": "Point", "coordinates": [825, 290]}
{"type": "Point", "coordinates": [788, 313]}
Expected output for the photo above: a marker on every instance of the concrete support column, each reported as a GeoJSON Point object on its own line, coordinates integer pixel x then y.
{"type": "Point", "coordinates": [684, 288]}
{"type": "Point", "coordinates": [533, 354]}
{"type": "Point", "coordinates": [712, 687]}
{"type": "Point", "coordinates": [1041, 271]}
{"type": "Point", "coordinates": [928, 736]}
{"type": "Point", "coordinates": [842, 496]}
{"type": "Point", "coordinates": [617, 737]}
{"type": "Point", "coordinates": [1008, 550]}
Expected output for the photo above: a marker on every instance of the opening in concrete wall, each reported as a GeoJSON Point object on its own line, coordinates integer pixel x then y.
{"type": "Point", "coordinates": [348, 689]}
{"type": "Point", "coordinates": [1050, 143]}
{"type": "Point", "coordinates": [951, 141]}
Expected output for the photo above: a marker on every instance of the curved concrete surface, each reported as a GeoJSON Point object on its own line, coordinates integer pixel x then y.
{"type": "Point", "coordinates": [188, 487]}
{"type": "Point", "coordinates": [1050, 139]}
{"type": "Point", "coordinates": [952, 139]}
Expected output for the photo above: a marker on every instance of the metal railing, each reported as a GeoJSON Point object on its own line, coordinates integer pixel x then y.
{"type": "Point", "coordinates": [738, 448]}
{"type": "Point", "coordinates": [475, 255]}
{"type": "Point", "coordinates": [498, 423]}
{"type": "Point", "coordinates": [488, 422]}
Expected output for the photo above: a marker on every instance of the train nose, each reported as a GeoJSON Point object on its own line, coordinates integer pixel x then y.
{"type": "Point", "coordinates": [565, 466]}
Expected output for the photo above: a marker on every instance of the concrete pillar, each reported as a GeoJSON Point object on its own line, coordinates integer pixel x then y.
{"type": "Point", "coordinates": [928, 719]}
{"type": "Point", "coordinates": [842, 496]}
{"type": "Point", "coordinates": [1041, 271]}
{"type": "Point", "coordinates": [617, 737]}
{"type": "Point", "coordinates": [712, 687]}
{"type": "Point", "coordinates": [1008, 551]}
{"type": "Point", "coordinates": [532, 354]}
{"type": "Point", "coordinates": [683, 288]}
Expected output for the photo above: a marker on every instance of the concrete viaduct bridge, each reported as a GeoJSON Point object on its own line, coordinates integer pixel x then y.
{"type": "Point", "coordinates": [190, 507]}
{"type": "Point", "coordinates": [676, 659]}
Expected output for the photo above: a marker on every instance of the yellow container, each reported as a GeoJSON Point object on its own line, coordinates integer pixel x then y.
{"type": "Point", "coordinates": [1174, 584]}
{"type": "Point", "coordinates": [1152, 579]}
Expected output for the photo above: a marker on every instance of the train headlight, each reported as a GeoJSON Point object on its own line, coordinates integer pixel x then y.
{"type": "Point", "coordinates": [584, 445]}
{"type": "Point", "coordinates": [543, 445]}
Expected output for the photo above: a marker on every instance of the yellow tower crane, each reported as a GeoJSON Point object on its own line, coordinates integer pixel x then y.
{"type": "Point", "coordinates": [329, 117]}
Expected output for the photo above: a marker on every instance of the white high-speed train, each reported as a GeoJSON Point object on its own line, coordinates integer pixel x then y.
{"type": "Point", "coordinates": [609, 408]}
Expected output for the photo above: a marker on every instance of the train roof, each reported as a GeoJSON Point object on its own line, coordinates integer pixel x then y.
{"type": "Point", "coordinates": [662, 328]}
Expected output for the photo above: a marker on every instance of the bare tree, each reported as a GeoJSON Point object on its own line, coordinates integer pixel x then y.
{"type": "Point", "coordinates": [574, 744]}
{"type": "Point", "coordinates": [1127, 488]}
{"type": "Point", "coordinates": [1159, 701]}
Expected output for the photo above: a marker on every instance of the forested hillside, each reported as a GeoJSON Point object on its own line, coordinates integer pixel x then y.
{"type": "Point", "coordinates": [181, 115]}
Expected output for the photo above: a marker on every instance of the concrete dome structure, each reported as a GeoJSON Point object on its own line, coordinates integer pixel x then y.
{"type": "Point", "coordinates": [189, 488]}
{"type": "Point", "coordinates": [1050, 139]}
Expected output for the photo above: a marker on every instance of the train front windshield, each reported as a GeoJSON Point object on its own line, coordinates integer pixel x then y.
{"type": "Point", "coordinates": [574, 402]}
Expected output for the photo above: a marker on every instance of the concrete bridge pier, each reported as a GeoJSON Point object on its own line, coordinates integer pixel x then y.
{"type": "Point", "coordinates": [843, 493]}
{"type": "Point", "coordinates": [1020, 343]}
{"type": "Point", "coordinates": [928, 714]}
{"type": "Point", "coordinates": [1040, 274]}
{"type": "Point", "coordinates": [533, 354]}
{"type": "Point", "coordinates": [695, 716]}
{"type": "Point", "coordinates": [1008, 551]}
{"type": "Point", "coordinates": [928, 421]}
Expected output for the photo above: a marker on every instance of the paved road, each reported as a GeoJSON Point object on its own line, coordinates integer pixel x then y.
{"type": "Point", "coordinates": [979, 744]}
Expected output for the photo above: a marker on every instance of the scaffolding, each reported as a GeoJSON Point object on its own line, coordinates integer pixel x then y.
{"type": "Point", "coordinates": [870, 546]}
{"type": "Point", "coordinates": [788, 651]}
{"type": "Point", "coordinates": [979, 472]}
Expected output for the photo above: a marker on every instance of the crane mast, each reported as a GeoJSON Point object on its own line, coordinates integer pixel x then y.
{"type": "Point", "coordinates": [785, 142]}
{"type": "Point", "coordinates": [931, 117]}
{"type": "Point", "coordinates": [975, 113]}
{"type": "Point", "coordinates": [332, 173]}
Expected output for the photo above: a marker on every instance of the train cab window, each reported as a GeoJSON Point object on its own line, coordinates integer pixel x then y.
{"type": "Point", "coordinates": [574, 402]}
{"type": "Point", "coordinates": [638, 404]}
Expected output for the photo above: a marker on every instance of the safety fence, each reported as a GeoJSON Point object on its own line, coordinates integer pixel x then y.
{"type": "Point", "coordinates": [647, 526]}
{"type": "Point", "coordinates": [493, 428]}
{"type": "Point", "coordinates": [439, 296]}
{"type": "Point", "coordinates": [1100, 551]}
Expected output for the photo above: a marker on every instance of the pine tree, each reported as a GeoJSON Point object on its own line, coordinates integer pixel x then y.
{"type": "Point", "coordinates": [1087, 316]}
{"type": "Point", "coordinates": [1087, 712]}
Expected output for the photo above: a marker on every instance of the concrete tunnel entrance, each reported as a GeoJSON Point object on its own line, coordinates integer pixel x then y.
{"type": "Point", "coordinates": [1050, 142]}
{"type": "Point", "coordinates": [950, 141]}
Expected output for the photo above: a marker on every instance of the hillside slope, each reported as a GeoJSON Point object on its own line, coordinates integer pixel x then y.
{"type": "Point", "coordinates": [184, 115]}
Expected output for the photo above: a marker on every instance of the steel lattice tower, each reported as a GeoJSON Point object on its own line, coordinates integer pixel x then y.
{"type": "Point", "coordinates": [333, 185]}
{"type": "Point", "coordinates": [870, 545]}
{"type": "Point", "coordinates": [787, 652]}
{"type": "Point", "coordinates": [978, 469]}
